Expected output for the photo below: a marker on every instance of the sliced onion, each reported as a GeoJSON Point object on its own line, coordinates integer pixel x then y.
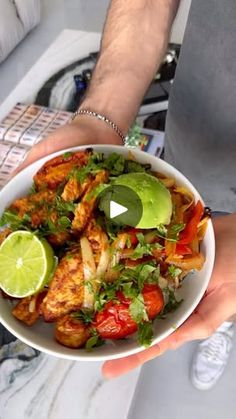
{"type": "Point", "coordinates": [32, 305]}
{"type": "Point", "coordinates": [116, 248]}
{"type": "Point", "coordinates": [105, 256]}
{"type": "Point", "coordinates": [89, 269]}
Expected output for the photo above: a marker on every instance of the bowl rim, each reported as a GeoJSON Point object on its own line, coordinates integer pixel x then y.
{"type": "Point", "coordinates": [91, 356]}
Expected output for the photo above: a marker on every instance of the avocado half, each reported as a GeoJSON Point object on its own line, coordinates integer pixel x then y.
{"type": "Point", "coordinates": [155, 198]}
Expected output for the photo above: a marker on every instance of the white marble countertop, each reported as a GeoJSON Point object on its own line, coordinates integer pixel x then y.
{"type": "Point", "coordinates": [38, 386]}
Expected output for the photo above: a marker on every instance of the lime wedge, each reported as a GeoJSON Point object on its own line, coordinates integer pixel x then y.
{"type": "Point", "coordinates": [26, 263]}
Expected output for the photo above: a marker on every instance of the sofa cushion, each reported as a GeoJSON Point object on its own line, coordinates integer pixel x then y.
{"type": "Point", "coordinates": [17, 18]}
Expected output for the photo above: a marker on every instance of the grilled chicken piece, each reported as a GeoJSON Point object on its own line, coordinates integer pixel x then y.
{"type": "Point", "coordinates": [85, 208]}
{"type": "Point", "coordinates": [58, 239]}
{"type": "Point", "coordinates": [54, 172]}
{"type": "Point", "coordinates": [98, 240]}
{"type": "Point", "coordinates": [71, 332]}
{"type": "Point", "coordinates": [28, 309]}
{"type": "Point", "coordinates": [66, 290]}
{"type": "Point", "coordinates": [73, 190]}
{"type": "Point", "coordinates": [4, 233]}
{"type": "Point", "coordinates": [36, 205]}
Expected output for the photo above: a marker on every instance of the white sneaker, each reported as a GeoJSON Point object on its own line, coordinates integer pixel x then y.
{"type": "Point", "coordinates": [211, 357]}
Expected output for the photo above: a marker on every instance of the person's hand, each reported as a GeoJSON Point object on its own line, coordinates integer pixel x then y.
{"type": "Point", "coordinates": [217, 305]}
{"type": "Point", "coordinates": [81, 131]}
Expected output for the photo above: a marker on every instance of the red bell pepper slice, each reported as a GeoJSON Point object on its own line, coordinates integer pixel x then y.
{"type": "Point", "coordinates": [132, 232]}
{"type": "Point", "coordinates": [190, 231]}
{"type": "Point", "coordinates": [183, 249]}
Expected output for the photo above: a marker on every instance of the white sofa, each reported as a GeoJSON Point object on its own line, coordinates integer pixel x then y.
{"type": "Point", "coordinates": [17, 18]}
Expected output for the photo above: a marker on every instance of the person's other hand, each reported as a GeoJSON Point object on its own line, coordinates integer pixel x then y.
{"type": "Point", "coordinates": [217, 305]}
{"type": "Point", "coordinates": [82, 131]}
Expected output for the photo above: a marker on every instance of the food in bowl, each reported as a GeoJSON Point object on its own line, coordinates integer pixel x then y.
{"type": "Point", "coordinates": [111, 280]}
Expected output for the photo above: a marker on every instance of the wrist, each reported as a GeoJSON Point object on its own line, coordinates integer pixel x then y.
{"type": "Point", "coordinates": [116, 97]}
{"type": "Point", "coordinates": [95, 131]}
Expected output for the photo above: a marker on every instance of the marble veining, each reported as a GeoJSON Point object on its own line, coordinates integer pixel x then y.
{"type": "Point", "coordinates": [34, 385]}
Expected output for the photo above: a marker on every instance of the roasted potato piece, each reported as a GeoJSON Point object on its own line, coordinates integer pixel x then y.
{"type": "Point", "coordinates": [28, 309]}
{"type": "Point", "coordinates": [54, 172]}
{"type": "Point", "coordinates": [86, 207]}
{"type": "Point", "coordinates": [66, 290]}
{"type": "Point", "coordinates": [71, 332]}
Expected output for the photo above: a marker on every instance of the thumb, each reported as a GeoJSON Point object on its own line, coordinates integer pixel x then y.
{"type": "Point", "coordinates": [44, 148]}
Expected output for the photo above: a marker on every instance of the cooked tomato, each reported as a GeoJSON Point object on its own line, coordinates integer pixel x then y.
{"type": "Point", "coordinates": [153, 300]}
{"type": "Point", "coordinates": [115, 321]}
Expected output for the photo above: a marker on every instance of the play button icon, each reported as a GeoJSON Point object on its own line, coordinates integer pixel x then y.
{"type": "Point", "coordinates": [121, 205]}
{"type": "Point", "coordinates": [116, 209]}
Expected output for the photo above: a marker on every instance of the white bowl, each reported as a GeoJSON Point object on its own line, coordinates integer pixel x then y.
{"type": "Point", "coordinates": [41, 336]}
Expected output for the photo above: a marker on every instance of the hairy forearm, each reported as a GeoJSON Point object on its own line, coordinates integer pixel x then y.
{"type": "Point", "coordinates": [134, 41]}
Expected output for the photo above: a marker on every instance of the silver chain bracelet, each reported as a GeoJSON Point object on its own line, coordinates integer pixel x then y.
{"type": "Point", "coordinates": [101, 118]}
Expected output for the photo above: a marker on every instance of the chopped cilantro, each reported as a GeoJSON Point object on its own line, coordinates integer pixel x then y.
{"type": "Point", "coordinates": [132, 166]}
{"type": "Point", "coordinates": [33, 189]}
{"type": "Point", "coordinates": [141, 238]}
{"type": "Point", "coordinates": [129, 291]}
{"type": "Point", "coordinates": [67, 154]}
{"type": "Point", "coordinates": [162, 231]}
{"type": "Point", "coordinates": [115, 163]}
{"type": "Point", "coordinates": [51, 226]}
{"type": "Point", "coordinates": [14, 221]}
{"type": "Point", "coordinates": [145, 334]}
{"type": "Point", "coordinates": [137, 309]}
{"type": "Point", "coordinates": [84, 315]}
{"type": "Point", "coordinates": [107, 293]}
{"type": "Point", "coordinates": [94, 342]}
{"type": "Point", "coordinates": [174, 271]}
{"type": "Point", "coordinates": [64, 223]}
{"type": "Point", "coordinates": [174, 231]}
{"type": "Point", "coordinates": [171, 234]}
{"type": "Point", "coordinates": [61, 225]}
{"type": "Point", "coordinates": [89, 286]}
{"type": "Point", "coordinates": [64, 207]}
{"type": "Point", "coordinates": [145, 249]}
{"type": "Point", "coordinates": [118, 267]}
{"type": "Point", "coordinates": [148, 273]}
{"type": "Point", "coordinates": [128, 242]}
{"type": "Point", "coordinates": [172, 303]}
{"type": "Point", "coordinates": [96, 191]}
{"type": "Point", "coordinates": [112, 229]}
